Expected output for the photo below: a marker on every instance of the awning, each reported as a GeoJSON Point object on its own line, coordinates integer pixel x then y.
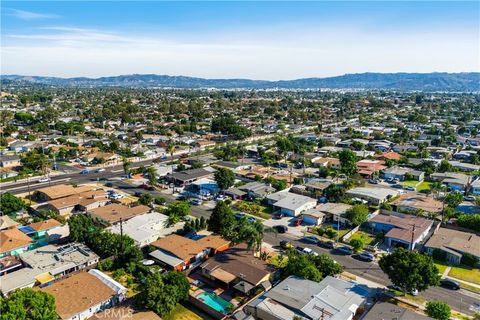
{"type": "Point", "coordinates": [44, 278]}
{"type": "Point", "coordinates": [223, 275]}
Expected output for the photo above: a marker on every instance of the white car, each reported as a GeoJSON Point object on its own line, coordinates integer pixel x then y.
{"type": "Point", "coordinates": [100, 170]}
{"type": "Point", "coordinates": [116, 196]}
{"type": "Point", "coordinates": [221, 198]}
{"type": "Point", "coordinates": [45, 179]}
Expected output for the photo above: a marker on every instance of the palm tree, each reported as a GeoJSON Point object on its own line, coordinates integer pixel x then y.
{"type": "Point", "coordinates": [126, 165]}
{"type": "Point", "coordinates": [170, 148]}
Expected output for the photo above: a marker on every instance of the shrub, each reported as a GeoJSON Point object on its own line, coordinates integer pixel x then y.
{"type": "Point", "coordinates": [105, 265]}
{"type": "Point", "coordinates": [439, 255]}
{"type": "Point", "coordinates": [438, 310]}
{"type": "Point", "coordinates": [469, 259]}
{"type": "Point", "coordinates": [357, 244]}
{"type": "Point", "coordinates": [331, 233]}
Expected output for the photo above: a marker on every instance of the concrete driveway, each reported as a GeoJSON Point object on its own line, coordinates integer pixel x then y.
{"type": "Point", "coordinates": [287, 221]}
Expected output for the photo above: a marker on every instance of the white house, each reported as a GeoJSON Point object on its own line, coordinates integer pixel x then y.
{"type": "Point", "coordinates": [291, 204]}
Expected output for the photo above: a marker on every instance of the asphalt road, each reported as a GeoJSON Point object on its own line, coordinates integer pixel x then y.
{"type": "Point", "coordinates": [461, 300]}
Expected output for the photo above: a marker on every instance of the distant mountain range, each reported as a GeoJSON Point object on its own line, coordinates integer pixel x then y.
{"type": "Point", "coordinates": [467, 81]}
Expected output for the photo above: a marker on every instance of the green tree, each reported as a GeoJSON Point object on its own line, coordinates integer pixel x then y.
{"type": "Point", "coordinates": [357, 244]}
{"type": "Point", "coordinates": [81, 227]}
{"type": "Point", "coordinates": [28, 304]}
{"type": "Point", "coordinates": [222, 220]}
{"type": "Point", "coordinates": [410, 269]}
{"type": "Point", "coordinates": [177, 211]}
{"type": "Point", "coordinates": [10, 204]}
{"type": "Point", "coordinates": [357, 214]}
{"type": "Point", "coordinates": [453, 199]}
{"type": "Point", "coordinates": [126, 165]}
{"type": "Point", "coordinates": [145, 199]}
{"type": "Point", "coordinates": [445, 166]}
{"type": "Point", "coordinates": [36, 161]}
{"type": "Point", "coordinates": [438, 310]}
{"type": "Point", "coordinates": [335, 193]}
{"type": "Point", "coordinates": [348, 162]}
{"type": "Point", "coordinates": [163, 293]}
{"type": "Point", "coordinates": [152, 176]}
{"type": "Point", "coordinates": [225, 178]}
{"type": "Point", "coordinates": [301, 265]}
{"type": "Point", "coordinates": [326, 265]}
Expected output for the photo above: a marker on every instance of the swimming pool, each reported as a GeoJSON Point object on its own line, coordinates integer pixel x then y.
{"type": "Point", "coordinates": [215, 302]}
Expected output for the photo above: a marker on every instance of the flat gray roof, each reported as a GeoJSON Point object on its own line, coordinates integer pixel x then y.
{"type": "Point", "coordinates": [166, 258]}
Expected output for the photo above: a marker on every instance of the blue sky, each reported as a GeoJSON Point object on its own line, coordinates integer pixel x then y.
{"type": "Point", "coordinates": [260, 40]}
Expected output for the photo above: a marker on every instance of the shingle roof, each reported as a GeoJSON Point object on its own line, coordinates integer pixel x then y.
{"type": "Point", "coordinates": [78, 293]}
{"type": "Point", "coordinates": [185, 248]}
{"type": "Point", "coordinates": [12, 239]}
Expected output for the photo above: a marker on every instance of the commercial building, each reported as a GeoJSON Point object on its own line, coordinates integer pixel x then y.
{"type": "Point", "coordinates": [59, 191]}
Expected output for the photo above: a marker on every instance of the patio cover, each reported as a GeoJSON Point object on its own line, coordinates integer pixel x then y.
{"type": "Point", "coordinates": [166, 258]}
{"type": "Point", "coordinates": [223, 275]}
{"type": "Point", "coordinates": [44, 278]}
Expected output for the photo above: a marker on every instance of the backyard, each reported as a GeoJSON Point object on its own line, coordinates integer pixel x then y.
{"type": "Point", "coordinates": [183, 313]}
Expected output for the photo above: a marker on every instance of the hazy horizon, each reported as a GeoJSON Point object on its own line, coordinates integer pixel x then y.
{"type": "Point", "coordinates": [248, 40]}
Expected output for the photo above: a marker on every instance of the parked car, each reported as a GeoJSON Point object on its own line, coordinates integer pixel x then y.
{"type": "Point", "coordinates": [310, 239]}
{"type": "Point", "coordinates": [277, 215]}
{"type": "Point", "coordinates": [447, 283]}
{"type": "Point", "coordinates": [469, 198]}
{"type": "Point", "coordinates": [410, 188]}
{"type": "Point", "coordinates": [297, 222]}
{"type": "Point", "coordinates": [280, 228]}
{"type": "Point", "coordinates": [137, 194]}
{"type": "Point", "coordinates": [45, 179]}
{"type": "Point", "coordinates": [299, 249]}
{"type": "Point", "coordinates": [326, 244]}
{"type": "Point", "coordinates": [284, 244]}
{"type": "Point", "coordinates": [344, 250]}
{"type": "Point", "coordinates": [115, 196]}
{"type": "Point", "coordinates": [366, 256]}
{"type": "Point", "coordinates": [373, 181]}
{"type": "Point", "coordinates": [251, 219]}
{"type": "Point", "coordinates": [221, 197]}
{"type": "Point", "coordinates": [397, 186]}
{"type": "Point", "coordinates": [414, 292]}
{"type": "Point", "coordinates": [85, 171]}
{"type": "Point", "coordinates": [100, 170]}
{"type": "Point", "coordinates": [239, 215]}
{"type": "Point", "coordinates": [196, 202]}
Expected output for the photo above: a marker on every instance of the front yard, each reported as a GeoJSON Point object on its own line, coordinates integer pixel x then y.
{"type": "Point", "coordinates": [424, 185]}
{"type": "Point", "coordinates": [367, 238]}
{"type": "Point", "coordinates": [254, 209]}
{"type": "Point", "coordinates": [466, 274]}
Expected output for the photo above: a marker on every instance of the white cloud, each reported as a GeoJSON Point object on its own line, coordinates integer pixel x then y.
{"type": "Point", "coordinates": [65, 51]}
{"type": "Point", "coordinates": [29, 15]}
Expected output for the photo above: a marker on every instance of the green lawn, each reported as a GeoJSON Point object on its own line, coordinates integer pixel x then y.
{"type": "Point", "coordinates": [183, 313]}
{"type": "Point", "coordinates": [465, 274]}
{"type": "Point", "coordinates": [440, 266]}
{"type": "Point", "coordinates": [367, 238]}
{"type": "Point", "coordinates": [254, 209]}
{"type": "Point", "coordinates": [470, 288]}
{"type": "Point", "coordinates": [409, 183]}
{"type": "Point", "coordinates": [424, 186]}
